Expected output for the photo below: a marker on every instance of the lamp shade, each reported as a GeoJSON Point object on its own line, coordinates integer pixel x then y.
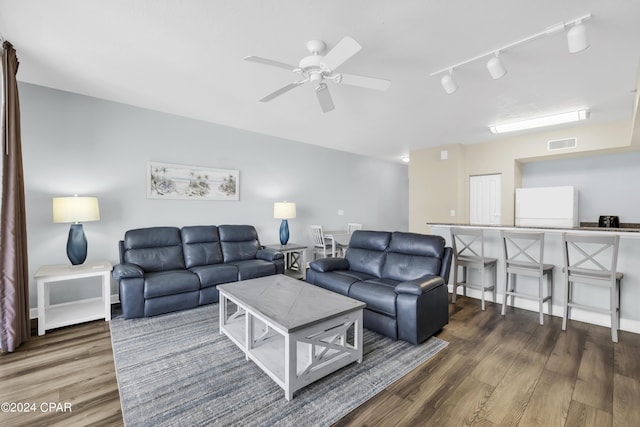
{"type": "Point", "coordinates": [284, 210]}
{"type": "Point", "coordinates": [75, 209]}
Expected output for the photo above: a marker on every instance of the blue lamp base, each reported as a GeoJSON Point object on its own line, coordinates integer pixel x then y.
{"type": "Point", "coordinates": [284, 232]}
{"type": "Point", "coordinates": [76, 245]}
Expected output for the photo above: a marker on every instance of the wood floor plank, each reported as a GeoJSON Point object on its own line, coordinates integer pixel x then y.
{"type": "Point", "coordinates": [511, 397]}
{"type": "Point", "coordinates": [594, 385]}
{"type": "Point", "coordinates": [626, 401]}
{"type": "Point", "coordinates": [587, 416]}
{"type": "Point", "coordinates": [549, 403]}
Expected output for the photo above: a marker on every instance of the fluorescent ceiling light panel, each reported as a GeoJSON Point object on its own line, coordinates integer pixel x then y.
{"type": "Point", "coordinates": [556, 119]}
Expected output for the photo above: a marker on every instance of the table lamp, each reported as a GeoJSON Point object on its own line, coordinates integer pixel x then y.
{"type": "Point", "coordinates": [284, 211]}
{"type": "Point", "coordinates": [75, 210]}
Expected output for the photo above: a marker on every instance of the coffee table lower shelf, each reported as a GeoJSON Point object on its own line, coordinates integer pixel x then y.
{"type": "Point", "coordinates": [292, 359]}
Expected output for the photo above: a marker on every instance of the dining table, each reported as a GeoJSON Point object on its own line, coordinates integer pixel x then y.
{"type": "Point", "coordinates": [339, 239]}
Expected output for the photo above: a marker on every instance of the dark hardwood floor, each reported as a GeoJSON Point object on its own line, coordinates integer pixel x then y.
{"type": "Point", "coordinates": [502, 371]}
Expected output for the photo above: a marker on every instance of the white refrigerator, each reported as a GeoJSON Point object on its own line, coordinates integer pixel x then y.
{"type": "Point", "coordinates": [547, 207]}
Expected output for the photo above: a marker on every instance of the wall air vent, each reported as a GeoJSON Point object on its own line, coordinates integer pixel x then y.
{"type": "Point", "coordinates": [562, 144]}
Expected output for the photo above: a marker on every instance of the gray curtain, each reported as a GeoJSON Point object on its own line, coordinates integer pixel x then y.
{"type": "Point", "coordinates": [14, 272]}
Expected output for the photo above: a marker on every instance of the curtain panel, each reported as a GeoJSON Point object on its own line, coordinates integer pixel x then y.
{"type": "Point", "coordinates": [14, 272]}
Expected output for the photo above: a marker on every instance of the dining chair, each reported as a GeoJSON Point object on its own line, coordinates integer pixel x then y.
{"type": "Point", "coordinates": [321, 245]}
{"type": "Point", "coordinates": [523, 255]}
{"type": "Point", "coordinates": [353, 226]}
{"type": "Point", "coordinates": [468, 254]}
{"type": "Point", "coordinates": [592, 260]}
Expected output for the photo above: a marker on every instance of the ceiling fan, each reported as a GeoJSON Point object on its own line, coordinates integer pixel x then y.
{"type": "Point", "coordinates": [316, 68]}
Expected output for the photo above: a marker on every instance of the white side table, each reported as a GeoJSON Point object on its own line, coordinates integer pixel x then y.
{"type": "Point", "coordinates": [71, 313]}
{"type": "Point", "coordinates": [293, 257]}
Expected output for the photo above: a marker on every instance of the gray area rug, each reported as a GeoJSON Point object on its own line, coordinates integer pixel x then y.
{"type": "Point", "coordinates": [177, 370]}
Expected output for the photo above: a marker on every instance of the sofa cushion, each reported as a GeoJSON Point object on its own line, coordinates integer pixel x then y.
{"type": "Point", "coordinates": [253, 268]}
{"type": "Point", "coordinates": [378, 295]}
{"type": "Point", "coordinates": [154, 248]}
{"type": "Point", "coordinates": [169, 282]}
{"type": "Point", "coordinates": [212, 275]}
{"type": "Point", "coordinates": [239, 242]}
{"type": "Point", "coordinates": [201, 245]}
{"type": "Point", "coordinates": [366, 252]}
{"type": "Point", "coordinates": [335, 281]}
{"type": "Point", "coordinates": [411, 256]}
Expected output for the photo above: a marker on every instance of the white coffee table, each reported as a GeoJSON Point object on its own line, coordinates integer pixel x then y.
{"type": "Point", "coordinates": [295, 332]}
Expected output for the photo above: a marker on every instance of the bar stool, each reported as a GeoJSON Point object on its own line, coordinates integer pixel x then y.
{"type": "Point", "coordinates": [592, 260]}
{"type": "Point", "coordinates": [523, 255]}
{"type": "Point", "coordinates": [468, 253]}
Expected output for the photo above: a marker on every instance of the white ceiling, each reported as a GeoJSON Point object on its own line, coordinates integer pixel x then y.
{"type": "Point", "coordinates": [186, 58]}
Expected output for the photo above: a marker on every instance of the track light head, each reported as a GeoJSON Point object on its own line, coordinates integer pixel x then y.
{"type": "Point", "coordinates": [448, 83]}
{"type": "Point", "coordinates": [496, 67]}
{"type": "Point", "coordinates": [577, 39]}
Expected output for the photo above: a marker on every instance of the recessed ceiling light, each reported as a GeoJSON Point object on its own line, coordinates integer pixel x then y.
{"type": "Point", "coordinates": [405, 159]}
{"type": "Point", "coordinates": [555, 119]}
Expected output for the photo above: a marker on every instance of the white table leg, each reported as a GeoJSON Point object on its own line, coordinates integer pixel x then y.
{"type": "Point", "coordinates": [41, 307]}
{"type": "Point", "coordinates": [106, 292]}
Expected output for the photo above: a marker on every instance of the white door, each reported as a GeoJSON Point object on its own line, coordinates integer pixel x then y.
{"type": "Point", "coordinates": [485, 201]}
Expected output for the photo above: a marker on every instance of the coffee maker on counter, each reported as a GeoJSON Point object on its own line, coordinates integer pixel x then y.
{"type": "Point", "coordinates": [609, 221]}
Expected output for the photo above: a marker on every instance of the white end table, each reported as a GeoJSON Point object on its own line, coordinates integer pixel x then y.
{"type": "Point", "coordinates": [294, 258]}
{"type": "Point", "coordinates": [71, 313]}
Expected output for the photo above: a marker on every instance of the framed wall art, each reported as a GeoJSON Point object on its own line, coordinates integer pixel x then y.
{"type": "Point", "coordinates": [171, 181]}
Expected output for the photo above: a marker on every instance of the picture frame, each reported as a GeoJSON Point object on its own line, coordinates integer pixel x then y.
{"type": "Point", "coordinates": [183, 182]}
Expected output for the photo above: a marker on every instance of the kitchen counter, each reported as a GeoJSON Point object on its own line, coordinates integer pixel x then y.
{"type": "Point", "coordinates": [625, 230]}
{"type": "Point", "coordinates": [628, 264]}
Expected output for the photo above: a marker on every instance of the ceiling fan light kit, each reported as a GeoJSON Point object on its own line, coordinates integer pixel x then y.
{"type": "Point", "coordinates": [317, 69]}
{"type": "Point", "coordinates": [577, 41]}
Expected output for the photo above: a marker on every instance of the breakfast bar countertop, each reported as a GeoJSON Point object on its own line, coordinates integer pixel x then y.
{"type": "Point", "coordinates": [631, 230]}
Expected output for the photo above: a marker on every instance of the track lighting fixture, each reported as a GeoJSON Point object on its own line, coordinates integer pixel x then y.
{"type": "Point", "coordinates": [448, 83]}
{"type": "Point", "coordinates": [496, 67]}
{"type": "Point", "coordinates": [577, 41]}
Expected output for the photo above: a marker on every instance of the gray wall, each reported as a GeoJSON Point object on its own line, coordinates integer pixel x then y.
{"type": "Point", "coordinates": [607, 184]}
{"type": "Point", "coordinates": [74, 144]}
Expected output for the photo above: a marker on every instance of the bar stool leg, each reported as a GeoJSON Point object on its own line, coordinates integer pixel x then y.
{"type": "Point", "coordinates": [455, 283]}
{"type": "Point", "coordinates": [549, 287]}
{"type": "Point", "coordinates": [506, 293]}
{"type": "Point", "coordinates": [614, 315]}
{"type": "Point", "coordinates": [494, 282]}
{"type": "Point", "coordinates": [541, 299]}
{"type": "Point", "coordinates": [565, 311]}
{"type": "Point", "coordinates": [482, 287]}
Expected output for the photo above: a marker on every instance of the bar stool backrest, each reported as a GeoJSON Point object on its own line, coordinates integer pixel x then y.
{"type": "Point", "coordinates": [468, 245]}
{"type": "Point", "coordinates": [523, 251]}
{"type": "Point", "coordinates": [591, 258]}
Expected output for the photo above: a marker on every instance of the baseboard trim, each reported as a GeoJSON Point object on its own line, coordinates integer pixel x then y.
{"type": "Point", "coordinates": [599, 319]}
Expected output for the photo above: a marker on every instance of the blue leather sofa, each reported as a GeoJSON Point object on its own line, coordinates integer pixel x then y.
{"type": "Point", "coordinates": [164, 269]}
{"type": "Point", "coordinates": [402, 277]}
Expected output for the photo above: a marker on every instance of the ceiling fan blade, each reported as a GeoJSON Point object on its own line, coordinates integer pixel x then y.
{"type": "Point", "coordinates": [364, 81]}
{"type": "Point", "coordinates": [345, 49]}
{"type": "Point", "coordinates": [324, 97]}
{"type": "Point", "coordinates": [270, 62]}
{"type": "Point", "coordinates": [280, 91]}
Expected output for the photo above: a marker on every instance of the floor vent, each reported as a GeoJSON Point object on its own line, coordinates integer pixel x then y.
{"type": "Point", "coordinates": [562, 144]}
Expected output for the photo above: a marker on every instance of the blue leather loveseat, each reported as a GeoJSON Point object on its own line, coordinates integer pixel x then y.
{"type": "Point", "coordinates": [402, 277]}
{"type": "Point", "coordinates": [164, 269]}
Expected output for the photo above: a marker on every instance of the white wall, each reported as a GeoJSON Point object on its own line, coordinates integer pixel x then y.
{"type": "Point", "coordinates": [83, 145]}
{"type": "Point", "coordinates": [607, 184]}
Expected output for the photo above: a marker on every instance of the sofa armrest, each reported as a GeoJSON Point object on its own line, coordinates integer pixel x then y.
{"type": "Point", "coordinates": [419, 286]}
{"type": "Point", "coordinates": [126, 271]}
{"type": "Point", "coordinates": [324, 265]}
{"type": "Point", "coordinates": [268, 254]}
